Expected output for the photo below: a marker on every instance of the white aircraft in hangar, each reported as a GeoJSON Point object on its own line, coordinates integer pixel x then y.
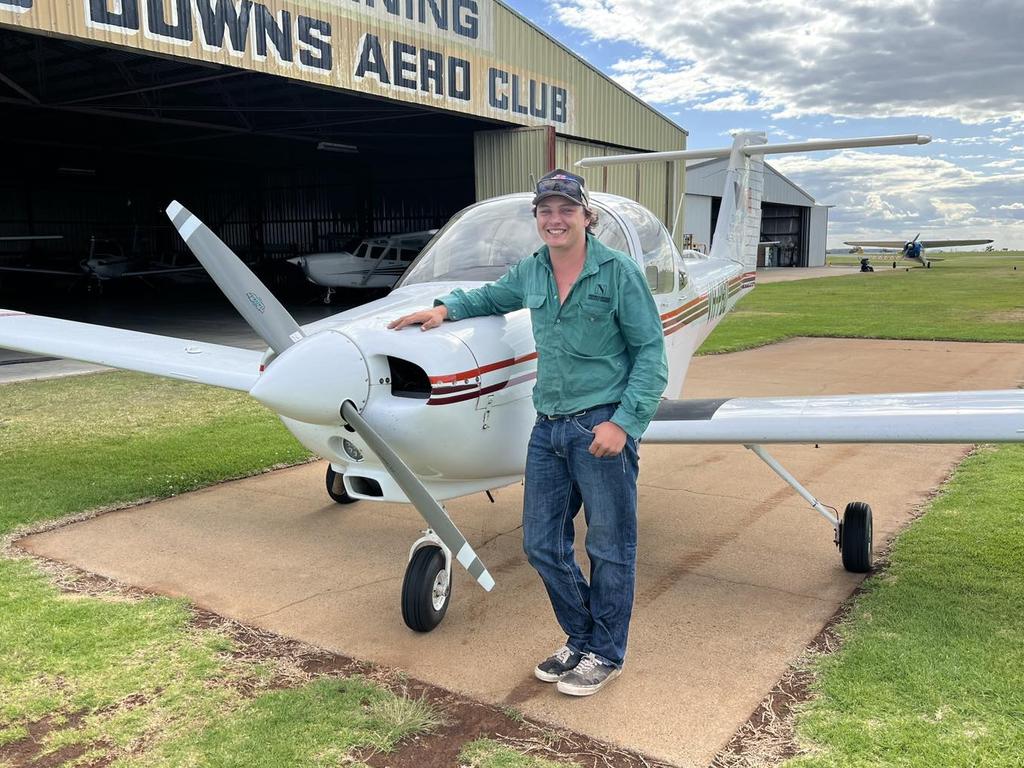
{"type": "Point", "coordinates": [426, 417]}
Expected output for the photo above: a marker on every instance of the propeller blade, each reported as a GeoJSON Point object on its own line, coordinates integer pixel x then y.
{"type": "Point", "coordinates": [251, 298]}
{"type": "Point", "coordinates": [916, 237]}
{"type": "Point", "coordinates": [420, 497]}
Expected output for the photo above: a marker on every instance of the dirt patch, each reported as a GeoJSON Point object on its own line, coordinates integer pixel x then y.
{"type": "Point", "coordinates": [1005, 316]}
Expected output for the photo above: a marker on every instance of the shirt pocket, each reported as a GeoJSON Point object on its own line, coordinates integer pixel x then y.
{"type": "Point", "coordinates": [535, 302]}
{"type": "Point", "coordinates": [596, 332]}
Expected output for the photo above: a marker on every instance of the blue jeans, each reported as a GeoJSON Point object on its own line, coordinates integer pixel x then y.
{"type": "Point", "coordinates": [561, 474]}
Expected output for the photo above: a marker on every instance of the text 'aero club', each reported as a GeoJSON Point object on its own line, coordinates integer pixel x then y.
{"type": "Point", "coordinates": [378, 403]}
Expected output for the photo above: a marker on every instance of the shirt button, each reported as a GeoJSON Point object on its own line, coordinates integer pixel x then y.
{"type": "Point", "coordinates": [557, 322]}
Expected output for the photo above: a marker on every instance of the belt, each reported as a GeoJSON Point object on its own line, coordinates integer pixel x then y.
{"type": "Point", "coordinates": [585, 411]}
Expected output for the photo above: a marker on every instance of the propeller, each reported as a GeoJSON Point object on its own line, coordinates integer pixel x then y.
{"type": "Point", "coordinates": [250, 297]}
{"type": "Point", "coordinates": [317, 379]}
{"type": "Point", "coordinates": [427, 505]}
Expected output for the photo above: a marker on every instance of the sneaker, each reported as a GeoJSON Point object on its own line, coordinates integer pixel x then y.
{"type": "Point", "coordinates": [557, 664]}
{"type": "Point", "coordinates": [589, 676]}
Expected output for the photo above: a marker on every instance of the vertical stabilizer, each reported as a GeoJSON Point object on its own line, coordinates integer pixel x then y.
{"type": "Point", "coordinates": [738, 229]}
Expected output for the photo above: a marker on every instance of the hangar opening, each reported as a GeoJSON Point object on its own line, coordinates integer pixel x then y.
{"type": "Point", "coordinates": [99, 140]}
{"type": "Point", "coordinates": [793, 226]}
{"type": "Point", "coordinates": [288, 128]}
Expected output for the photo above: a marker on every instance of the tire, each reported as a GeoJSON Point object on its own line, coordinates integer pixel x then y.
{"type": "Point", "coordinates": [336, 488]}
{"type": "Point", "coordinates": [855, 537]}
{"type": "Point", "coordinates": [426, 590]}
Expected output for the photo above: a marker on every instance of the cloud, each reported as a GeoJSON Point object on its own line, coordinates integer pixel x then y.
{"type": "Point", "coordinates": [881, 194]}
{"type": "Point", "coordinates": [866, 58]}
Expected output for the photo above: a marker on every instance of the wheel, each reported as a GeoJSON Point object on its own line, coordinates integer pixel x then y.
{"type": "Point", "coordinates": [336, 487]}
{"type": "Point", "coordinates": [855, 537]}
{"type": "Point", "coordinates": [928, 265]}
{"type": "Point", "coordinates": [426, 590]}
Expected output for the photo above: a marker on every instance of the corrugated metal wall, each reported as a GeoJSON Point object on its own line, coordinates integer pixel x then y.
{"type": "Point", "coordinates": [505, 161]}
{"type": "Point", "coordinates": [509, 161]}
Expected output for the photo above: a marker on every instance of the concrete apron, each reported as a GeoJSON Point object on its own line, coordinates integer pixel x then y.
{"type": "Point", "coordinates": [736, 573]}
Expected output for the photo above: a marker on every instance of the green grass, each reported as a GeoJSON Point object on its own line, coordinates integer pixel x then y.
{"type": "Point", "coordinates": [81, 442]}
{"type": "Point", "coordinates": [136, 679]}
{"type": "Point", "coordinates": [965, 298]}
{"type": "Point", "coordinates": [932, 668]}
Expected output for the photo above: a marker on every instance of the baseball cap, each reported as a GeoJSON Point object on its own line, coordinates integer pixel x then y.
{"type": "Point", "coordinates": [563, 184]}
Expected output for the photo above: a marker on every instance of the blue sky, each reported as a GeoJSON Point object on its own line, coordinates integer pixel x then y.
{"type": "Point", "coordinates": [947, 68]}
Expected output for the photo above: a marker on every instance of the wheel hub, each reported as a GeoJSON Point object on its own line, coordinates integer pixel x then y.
{"type": "Point", "coordinates": [439, 592]}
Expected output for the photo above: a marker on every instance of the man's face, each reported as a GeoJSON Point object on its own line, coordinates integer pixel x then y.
{"type": "Point", "coordinates": [562, 224]}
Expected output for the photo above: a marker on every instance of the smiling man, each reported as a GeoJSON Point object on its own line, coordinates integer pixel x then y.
{"type": "Point", "coordinates": [601, 371]}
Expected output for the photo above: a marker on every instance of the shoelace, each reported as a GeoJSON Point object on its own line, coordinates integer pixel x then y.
{"type": "Point", "coordinates": [587, 663]}
{"type": "Point", "coordinates": [563, 654]}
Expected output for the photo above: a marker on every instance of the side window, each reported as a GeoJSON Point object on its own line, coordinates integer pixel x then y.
{"type": "Point", "coordinates": [656, 243]}
{"type": "Point", "coordinates": [609, 232]}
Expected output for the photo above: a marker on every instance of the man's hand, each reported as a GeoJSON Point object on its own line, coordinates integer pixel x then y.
{"type": "Point", "coordinates": [609, 440]}
{"type": "Point", "coordinates": [426, 319]}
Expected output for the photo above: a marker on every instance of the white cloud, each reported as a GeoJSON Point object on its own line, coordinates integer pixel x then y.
{"type": "Point", "coordinates": [882, 194]}
{"type": "Point", "coordinates": [865, 58]}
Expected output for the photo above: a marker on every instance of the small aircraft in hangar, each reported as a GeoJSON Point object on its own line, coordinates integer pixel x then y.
{"type": "Point", "coordinates": [914, 249]}
{"type": "Point", "coordinates": [106, 262]}
{"type": "Point", "coordinates": [425, 417]}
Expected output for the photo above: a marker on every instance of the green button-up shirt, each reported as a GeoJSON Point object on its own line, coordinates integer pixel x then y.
{"type": "Point", "coordinates": [603, 345]}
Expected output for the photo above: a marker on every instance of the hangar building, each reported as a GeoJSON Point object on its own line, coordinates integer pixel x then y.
{"type": "Point", "coordinates": [793, 226]}
{"type": "Point", "coordinates": [288, 125]}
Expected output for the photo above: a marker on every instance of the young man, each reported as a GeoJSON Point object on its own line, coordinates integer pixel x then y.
{"type": "Point", "coordinates": [601, 371]}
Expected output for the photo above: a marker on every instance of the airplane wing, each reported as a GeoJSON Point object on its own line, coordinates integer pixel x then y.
{"type": "Point", "coordinates": [33, 270]}
{"type": "Point", "coordinates": [221, 366]}
{"type": "Point", "coordinates": [932, 417]}
{"type": "Point", "coordinates": [160, 271]}
{"type": "Point", "coordinates": [949, 243]}
{"type": "Point", "coordinates": [877, 243]}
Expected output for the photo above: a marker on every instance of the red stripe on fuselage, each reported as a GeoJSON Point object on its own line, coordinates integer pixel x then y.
{"type": "Point", "coordinates": [452, 377]}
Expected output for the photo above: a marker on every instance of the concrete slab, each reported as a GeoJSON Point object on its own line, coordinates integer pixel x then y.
{"type": "Point", "coordinates": [736, 574]}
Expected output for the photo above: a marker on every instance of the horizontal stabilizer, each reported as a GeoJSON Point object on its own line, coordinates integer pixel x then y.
{"type": "Point", "coordinates": [221, 366]}
{"type": "Point", "coordinates": [995, 416]}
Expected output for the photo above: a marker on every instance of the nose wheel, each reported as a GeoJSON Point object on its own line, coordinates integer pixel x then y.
{"type": "Point", "coordinates": [335, 482]}
{"type": "Point", "coordinates": [426, 589]}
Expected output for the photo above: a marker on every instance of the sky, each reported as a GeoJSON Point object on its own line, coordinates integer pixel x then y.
{"type": "Point", "coordinates": [947, 68]}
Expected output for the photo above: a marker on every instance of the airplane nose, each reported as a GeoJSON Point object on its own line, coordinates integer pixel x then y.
{"type": "Point", "coordinates": [311, 379]}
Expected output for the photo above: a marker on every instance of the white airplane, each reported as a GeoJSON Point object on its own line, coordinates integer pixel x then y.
{"type": "Point", "coordinates": [377, 262]}
{"type": "Point", "coordinates": [426, 417]}
{"type": "Point", "coordinates": [914, 249]}
{"type": "Point", "coordinates": [105, 263]}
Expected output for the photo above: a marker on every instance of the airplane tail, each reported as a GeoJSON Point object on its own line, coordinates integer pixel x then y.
{"type": "Point", "coordinates": [738, 229]}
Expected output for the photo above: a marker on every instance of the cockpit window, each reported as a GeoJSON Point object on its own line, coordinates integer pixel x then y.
{"type": "Point", "coordinates": [483, 241]}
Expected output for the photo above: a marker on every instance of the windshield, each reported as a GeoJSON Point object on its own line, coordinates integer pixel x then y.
{"type": "Point", "coordinates": [482, 242]}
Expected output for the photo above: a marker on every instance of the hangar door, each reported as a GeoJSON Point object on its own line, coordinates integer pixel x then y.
{"type": "Point", "coordinates": [507, 161]}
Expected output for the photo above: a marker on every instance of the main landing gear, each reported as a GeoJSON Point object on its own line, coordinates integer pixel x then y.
{"type": "Point", "coordinates": [853, 534]}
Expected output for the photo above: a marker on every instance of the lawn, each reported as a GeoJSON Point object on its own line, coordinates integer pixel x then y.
{"type": "Point", "coordinates": [977, 297]}
{"type": "Point", "coordinates": [930, 672]}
